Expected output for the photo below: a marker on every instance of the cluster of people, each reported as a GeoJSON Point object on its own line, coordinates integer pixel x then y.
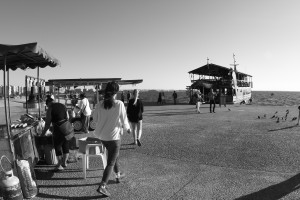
{"type": "Point", "coordinates": [162, 100]}
{"type": "Point", "coordinates": [198, 100]}
{"type": "Point", "coordinates": [111, 118]}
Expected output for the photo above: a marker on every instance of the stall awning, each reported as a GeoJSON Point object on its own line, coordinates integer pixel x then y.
{"type": "Point", "coordinates": [89, 81]}
{"type": "Point", "coordinates": [25, 56]}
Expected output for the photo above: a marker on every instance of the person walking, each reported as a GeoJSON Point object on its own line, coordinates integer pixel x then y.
{"type": "Point", "coordinates": [198, 100]}
{"type": "Point", "coordinates": [159, 101]}
{"type": "Point", "coordinates": [128, 96]}
{"type": "Point", "coordinates": [163, 99]}
{"type": "Point", "coordinates": [86, 112]}
{"type": "Point", "coordinates": [212, 96]}
{"type": "Point", "coordinates": [122, 97]}
{"type": "Point", "coordinates": [110, 117]}
{"type": "Point", "coordinates": [174, 97]}
{"type": "Point", "coordinates": [135, 111]}
{"type": "Point", "coordinates": [57, 114]}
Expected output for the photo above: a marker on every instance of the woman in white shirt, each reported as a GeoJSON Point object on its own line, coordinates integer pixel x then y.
{"type": "Point", "coordinates": [110, 117]}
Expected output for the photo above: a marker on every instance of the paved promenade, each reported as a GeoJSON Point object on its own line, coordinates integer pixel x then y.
{"type": "Point", "coordinates": [185, 155]}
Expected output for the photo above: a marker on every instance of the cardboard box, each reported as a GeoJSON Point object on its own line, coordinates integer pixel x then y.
{"type": "Point", "coordinates": [89, 140]}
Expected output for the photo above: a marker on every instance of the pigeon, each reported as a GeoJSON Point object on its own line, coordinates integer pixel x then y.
{"type": "Point", "coordinates": [275, 112]}
{"type": "Point", "coordinates": [265, 115]}
{"type": "Point", "coordinates": [294, 118]}
{"type": "Point", "coordinates": [273, 117]}
{"type": "Point", "coordinates": [277, 120]}
{"type": "Point", "coordinates": [287, 111]}
{"type": "Point", "coordinates": [258, 117]}
{"type": "Point", "coordinates": [229, 109]}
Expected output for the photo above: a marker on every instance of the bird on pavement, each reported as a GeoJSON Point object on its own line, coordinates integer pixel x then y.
{"type": "Point", "coordinates": [294, 118]}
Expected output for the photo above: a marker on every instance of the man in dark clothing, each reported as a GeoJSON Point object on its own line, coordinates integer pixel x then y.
{"type": "Point", "coordinates": [128, 96]}
{"type": "Point", "coordinates": [175, 97]}
{"type": "Point", "coordinates": [122, 97]}
{"type": "Point", "coordinates": [57, 114]}
{"type": "Point", "coordinates": [212, 96]}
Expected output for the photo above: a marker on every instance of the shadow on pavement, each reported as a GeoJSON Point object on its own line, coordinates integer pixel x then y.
{"type": "Point", "coordinates": [47, 196]}
{"type": "Point", "coordinates": [283, 128]}
{"type": "Point", "coordinates": [275, 191]}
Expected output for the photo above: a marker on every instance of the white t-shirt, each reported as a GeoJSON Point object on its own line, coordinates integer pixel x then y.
{"type": "Point", "coordinates": [109, 122]}
{"type": "Point", "coordinates": [84, 106]}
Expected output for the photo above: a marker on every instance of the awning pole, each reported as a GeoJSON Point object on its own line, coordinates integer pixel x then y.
{"type": "Point", "coordinates": [8, 100]}
{"type": "Point", "coordinates": [39, 90]}
{"type": "Point", "coordinates": [97, 93]}
{"type": "Point", "coordinates": [6, 115]}
{"type": "Point", "coordinates": [26, 92]}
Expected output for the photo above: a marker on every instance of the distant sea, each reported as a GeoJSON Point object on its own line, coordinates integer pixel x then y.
{"type": "Point", "coordinates": [263, 98]}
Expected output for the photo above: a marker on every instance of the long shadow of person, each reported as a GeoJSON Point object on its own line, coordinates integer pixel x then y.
{"type": "Point", "coordinates": [276, 191]}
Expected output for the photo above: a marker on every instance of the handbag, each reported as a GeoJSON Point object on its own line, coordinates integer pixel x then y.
{"type": "Point", "coordinates": [67, 129]}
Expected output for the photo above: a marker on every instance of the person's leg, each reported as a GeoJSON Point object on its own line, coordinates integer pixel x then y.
{"type": "Point", "coordinates": [214, 106]}
{"type": "Point", "coordinates": [65, 150]}
{"type": "Point", "coordinates": [139, 132]}
{"type": "Point", "coordinates": [113, 148]}
{"type": "Point", "coordinates": [210, 104]}
{"type": "Point", "coordinates": [57, 142]}
{"type": "Point", "coordinates": [134, 131]}
{"type": "Point", "coordinates": [85, 123]}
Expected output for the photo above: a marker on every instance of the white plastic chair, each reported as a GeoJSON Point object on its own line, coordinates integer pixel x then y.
{"type": "Point", "coordinates": [100, 151]}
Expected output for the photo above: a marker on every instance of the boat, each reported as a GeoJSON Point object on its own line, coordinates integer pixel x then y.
{"type": "Point", "coordinates": [231, 85]}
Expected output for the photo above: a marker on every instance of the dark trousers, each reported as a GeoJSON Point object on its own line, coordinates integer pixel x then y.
{"type": "Point", "coordinates": [85, 120]}
{"type": "Point", "coordinates": [212, 102]}
{"type": "Point", "coordinates": [60, 143]}
{"type": "Point", "coordinates": [113, 149]}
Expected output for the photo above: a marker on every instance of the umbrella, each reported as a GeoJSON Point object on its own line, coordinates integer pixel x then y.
{"type": "Point", "coordinates": [22, 57]}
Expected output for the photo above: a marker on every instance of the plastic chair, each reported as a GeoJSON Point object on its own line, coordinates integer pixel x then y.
{"type": "Point", "coordinates": [101, 153]}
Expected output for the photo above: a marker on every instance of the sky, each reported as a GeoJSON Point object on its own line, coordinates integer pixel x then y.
{"type": "Point", "coordinates": [158, 41]}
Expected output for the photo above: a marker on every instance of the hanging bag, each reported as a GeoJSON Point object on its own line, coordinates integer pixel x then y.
{"type": "Point", "coordinates": [66, 128]}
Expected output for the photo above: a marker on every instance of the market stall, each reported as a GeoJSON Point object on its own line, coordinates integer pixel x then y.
{"type": "Point", "coordinates": [20, 141]}
{"type": "Point", "coordinates": [98, 84]}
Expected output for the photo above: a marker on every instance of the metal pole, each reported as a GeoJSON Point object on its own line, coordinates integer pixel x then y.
{"type": "Point", "coordinates": [39, 90]}
{"type": "Point", "coordinates": [6, 116]}
{"type": "Point", "coordinates": [8, 100]}
{"type": "Point", "coordinates": [97, 93]}
{"type": "Point", "coordinates": [26, 92]}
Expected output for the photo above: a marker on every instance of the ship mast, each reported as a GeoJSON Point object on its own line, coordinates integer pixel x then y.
{"type": "Point", "coordinates": [234, 63]}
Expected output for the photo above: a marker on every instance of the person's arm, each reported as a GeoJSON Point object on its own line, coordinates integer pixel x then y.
{"type": "Point", "coordinates": [48, 121]}
{"type": "Point", "coordinates": [68, 117]}
{"type": "Point", "coordinates": [124, 119]}
{"type": "Point", "coordinates": [142, 106]}
{"type": "Point", "coordinates": [128, 109]}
